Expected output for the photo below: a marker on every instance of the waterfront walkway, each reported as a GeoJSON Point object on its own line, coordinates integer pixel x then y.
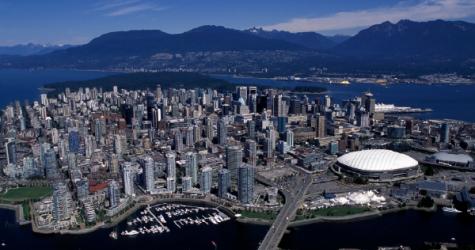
{"type": "Point", "coordinates": [286, 214]}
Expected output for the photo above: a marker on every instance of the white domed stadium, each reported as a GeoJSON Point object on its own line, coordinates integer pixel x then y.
{"type": "Point", "coordinates": [377, 165]}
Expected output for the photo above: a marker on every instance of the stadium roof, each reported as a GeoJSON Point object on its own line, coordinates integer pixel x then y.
{"type": "Point", "coordinates": [376, 160]}
{"type": "Point", "coordinates": [449, 157]}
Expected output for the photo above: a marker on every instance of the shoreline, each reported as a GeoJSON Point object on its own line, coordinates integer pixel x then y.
{"type": "Point", "coordinates": [336, 219]}
{"type": "Point", "coordinates": [115, 221]}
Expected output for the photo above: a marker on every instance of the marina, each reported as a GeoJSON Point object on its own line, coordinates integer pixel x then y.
{"type": "Point", "coordinates": [163, 218]}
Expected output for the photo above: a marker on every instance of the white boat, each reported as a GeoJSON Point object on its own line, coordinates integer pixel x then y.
{"type": "Point", "coordinates": [451, 210]}
{"type": "Point", "coordinates": [130, 233]}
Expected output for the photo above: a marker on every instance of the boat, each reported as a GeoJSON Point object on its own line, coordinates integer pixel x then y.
{"type": "Point", "coordinates": [451, 210]}
{"type": "Point", "coordinates": [130, 233]}
{"type": "Point", "coordinates": [113, 235]}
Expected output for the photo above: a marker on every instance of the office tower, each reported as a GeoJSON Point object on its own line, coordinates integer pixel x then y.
{"type": "Point", "coordinates": [445, 133]}
{"type": "Point", "coordinates": [209, 129]}
{"type": "Point", "coordinates": [241, 92]}
{"type": "Point", "coordinates": [362, 119]}
{"type": "Point", "coordinates": [251, 152]}
{"type": "Point", "coordinates": [289, 135]}
{"type": "Point", "coordinates": [224, 182]}
{"type": "Point", "coordinates": [282, 124]}
{"type": "Point", "coordinates": [73, 141]}
{"type": "Point", "coordinates": [156, 116]}
{"type": "Point", "coordinates": [90, 145]}
{"type": "Point", "coordinates": [327, 102]}
{"type": "Point", "coordinates": [128, 179]}
{"type": "Point", "coordinates": [246, 183]}
{"type": "Point", "coordinates": [191, 169]}
{"type": "Point", "coordinates": [206, 179]}
{"type": "Point", "coordinates": [320, 126]}
{"type": "Point", "coordinates": [171, 184]}
{"type": "Point", "coordinates": [62, 202]}
{"type": "Point", "coordinates": [113, 193]}
{"type": "Point", "coordinates": [190, 142]}
{"type": "Point", "coordinates": [51, 164]}
{"type": "Point", "coordinates": [268, 149]}
{"type": "Point", "coordinates": [282, 147]}
{"type": "Point", "coordinates": [222, 133]}
{"type": "Point", "coordinates": [233, 160]}
{"type": "Point", "coordinates": [82, 188]}
{"type": "Point", "coordinates": [149, 173]}
{"type": "Point", "coordinates": [251, 129]}
{"type": "Point", "coordinates": [171, 165]}
{"type": "Point", "coordinates": [44, 99]}
{"type": "Point", "coordinates": [10, 150]}
{"type": "Point", "coordinates": [178, 140]}
{"type": "Point", "coordinates": [197, 130]}
{"type": "Point", "coordinates": [271, 135]}
{"type": "Point", "coordinates": [369, 103]}
{"type": "Point", "coordinates": [186, 183]}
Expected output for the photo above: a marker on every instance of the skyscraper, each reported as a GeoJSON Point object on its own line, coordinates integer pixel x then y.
{"type": "Point", "coordinates": [224, 182]}
{"type": "Point", "coordinates": [186, 183]}
{"type": "Point", "coordinates": [73, 141]}
{"type": "Point", "coordinates": [171, 165]}
{"type": "Point", "coordinates": [289, 138]}
{"type": "Point", "coordinates": [10, 150]}
{"type": "Point", "coordinates": [51, 164]}
{"type": "Point", "coordinates": [233, 160]}
{"type": "Point", "coordinates": [191, 169]}
{"type": "Point", "coordinates": [320, 126]}
{"type": "Point", "coordinates": [113, 193]}
{"type": "Point", "coordinates": [62, 202]}
{"type": "Point", "coordinates": [251, 152]}
{"type": "Point", "coordinates": [222, 132]}
{"type": "Point", "coordinates": [149, 173]}
{"type": "Point", "coordinates": [206, 179]}
{"type": "Point", "coordinates": [171, 184]}
{"type": "Point", "coordinates": [444, 133]}
{"type": "Point", "coordinates": [246, 183]}
{"type": "Point", "coordinates": [128, 178]}
{"type": "Point", "coordinates": [251, 129]}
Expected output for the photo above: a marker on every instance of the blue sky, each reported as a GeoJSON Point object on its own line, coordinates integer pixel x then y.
{"type": "Point", "coordinates": [78, 21]}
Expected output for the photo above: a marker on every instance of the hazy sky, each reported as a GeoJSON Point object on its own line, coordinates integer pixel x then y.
{"type": "Point", "coordinates": [78, 21]}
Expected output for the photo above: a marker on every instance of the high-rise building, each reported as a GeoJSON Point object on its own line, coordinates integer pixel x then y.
{"type": "Point", "coordinates": [222, 132]}
{"type": "Point", "coordinates": [251, 152]}
{"type": "Point", "coordinates": [206, 179]}
{"type": "Point", "coordinates": [246, 183]}
{"type": "Point", "coordinates": [62, 202]}
{"type": "Point", "coordinates": [282, 123]}
{"type": "Point", "coordinates": [444, 133]}
{"type": "Point", "coordinates": [82, 188]}
{"type": "Point", "coordinates": [189, 137]}
{"type": "Point", "coordinates": [224, 182]}
{"type": "Point", "coordinates": [171, 184]}
{"type": "Point", "coordinates": [233, 160]}
{"type": "Point", "coordinates": [51, 164]}
{"type": "Point", "coordinates": [186, 183]}
{"type": "Point", "coordinates": [191, 168]}
{"type": "Point", "coordinates": [74, 141]}
{"type": "Point", "coordinates": [148, 170]}
{"type": "Point", "coordinates": [178, 140]}
{"type": "Point", "coordinates": [268, 149]}
{"type": "Point", "coordinates": [113, 193]}
{"type": "Point", "coordinates": [289, 138]}
{"type": "Point", "coordinates": [10, 150]}
{"type": "Point", "coordinates": [128, 178]}
{"type": "Point", "coordinates": [171, 165]}
{"type": "Point", "coordinates": [251, 129]}
{"type": "Point", "coordinates": [320, 126]}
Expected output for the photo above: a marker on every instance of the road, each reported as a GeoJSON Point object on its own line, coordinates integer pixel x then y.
{"type": "Point", "coordinates": [293, 199]}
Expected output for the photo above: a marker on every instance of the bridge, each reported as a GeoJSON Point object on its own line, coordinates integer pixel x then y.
{"type": "Point", "coordinates": [286, 213]}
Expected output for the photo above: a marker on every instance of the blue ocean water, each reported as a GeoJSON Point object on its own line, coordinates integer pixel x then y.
{"type": "Point", "coordinates": [23, 85]}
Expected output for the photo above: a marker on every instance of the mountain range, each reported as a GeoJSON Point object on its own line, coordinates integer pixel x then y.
{"type": "Point", "coordinates": [433, 46]}
{"type": "Point", "coordinates": [30, 49]}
